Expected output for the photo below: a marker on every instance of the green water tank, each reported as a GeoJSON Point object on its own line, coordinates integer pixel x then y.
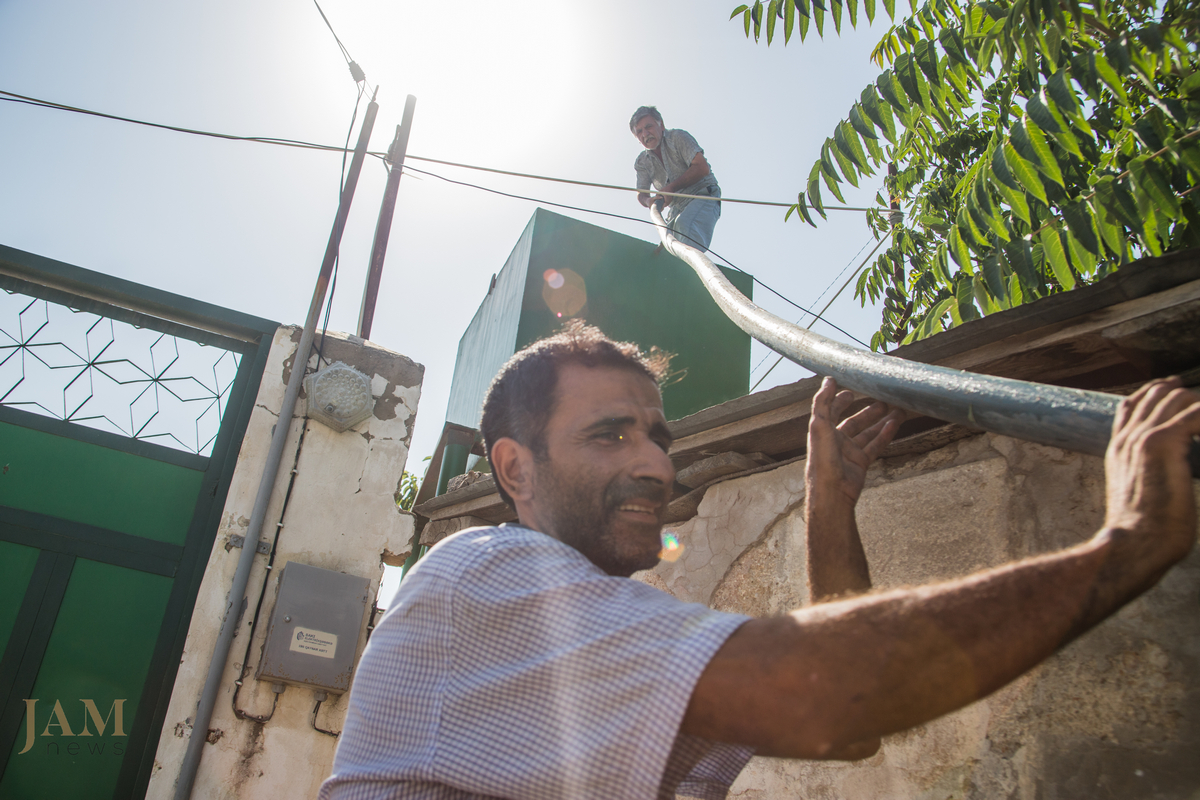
{"type": "Point", "coordinates": [562, 268]}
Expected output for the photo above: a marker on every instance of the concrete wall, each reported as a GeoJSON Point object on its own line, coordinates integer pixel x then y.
{"type": "Point", "coordinates": [342, 516]}
{"type": "Point", "coordinates": [1116, 714]}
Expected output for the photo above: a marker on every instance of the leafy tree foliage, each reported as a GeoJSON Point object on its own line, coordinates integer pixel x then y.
{"type": "Point", "coordinates": [1033, 145]}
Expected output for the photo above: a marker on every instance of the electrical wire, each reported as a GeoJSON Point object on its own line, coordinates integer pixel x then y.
{"type": "Point", "coordinates": [355, 70]}
{"type": "Point", "coordinates": [729, 263]}
{"type": "Point", "coordinates": [827, 305]}
{"type": "Point", "coordinates": [626, 188]}
{"type": "Point", "coordinates": [33, 101]}
{"type": "Point", "coordinates": [298, 143]}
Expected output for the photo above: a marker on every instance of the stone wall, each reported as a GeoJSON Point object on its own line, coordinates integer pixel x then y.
{"type": "Point", "coordinates": [1115, 714]}
{"type": "Point", "coordinates": [341, 515]}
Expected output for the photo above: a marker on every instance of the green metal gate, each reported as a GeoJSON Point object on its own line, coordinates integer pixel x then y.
{"type": "Point", "coordinates": [104, 534]}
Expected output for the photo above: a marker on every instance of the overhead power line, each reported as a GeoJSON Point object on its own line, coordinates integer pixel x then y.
{"type": "Point", "coordinates": [786, 299]}
{"type": "Point", "coordinates": [33, 101]}
{"type": "Point", "coordinates": [272, 140]}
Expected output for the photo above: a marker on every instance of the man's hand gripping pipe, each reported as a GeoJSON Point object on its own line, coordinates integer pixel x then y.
{"type": "Point", "coordinates": [1073, 419]}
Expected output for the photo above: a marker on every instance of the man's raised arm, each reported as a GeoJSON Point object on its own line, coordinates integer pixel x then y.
{"type": "Point", "coordinates": [815, 682]}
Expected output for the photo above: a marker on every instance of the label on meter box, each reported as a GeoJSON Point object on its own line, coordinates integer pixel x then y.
{"type": "Point", "coordinates": [315, 643]}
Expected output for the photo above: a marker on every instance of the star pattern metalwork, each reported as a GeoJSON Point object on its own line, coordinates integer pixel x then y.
{"type": "Point", "coordinates": [106, 374]}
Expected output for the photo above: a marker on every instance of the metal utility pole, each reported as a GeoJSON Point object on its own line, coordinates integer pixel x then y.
{"type": "Point", "coordinates": [241, 577]}
{"type": "Point", "coordinates": [383, 228]}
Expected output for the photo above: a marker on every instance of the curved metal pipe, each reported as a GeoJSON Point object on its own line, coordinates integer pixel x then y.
{"type": "Point", "coordinates": [1073, 419]}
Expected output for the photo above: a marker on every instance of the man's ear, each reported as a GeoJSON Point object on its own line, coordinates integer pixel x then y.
{"type": "Point", "coordinates": [512, 464]}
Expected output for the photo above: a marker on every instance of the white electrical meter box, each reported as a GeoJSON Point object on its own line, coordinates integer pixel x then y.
{"type": "Point", "coordinates": [313, 636]}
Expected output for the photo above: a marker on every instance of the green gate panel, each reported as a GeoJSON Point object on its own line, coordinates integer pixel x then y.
{"type": "Point", "coordinates": [81, 482]}
{"type": "Point", "coordinates": [100, 650]}
{"type": "Point", "coordinates": [16, 567]}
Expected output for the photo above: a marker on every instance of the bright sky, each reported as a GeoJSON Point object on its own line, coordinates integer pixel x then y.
{"type": "Point", "coordinates": [539, 86]}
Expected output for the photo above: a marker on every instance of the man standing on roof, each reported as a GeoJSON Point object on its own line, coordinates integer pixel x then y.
{"type": "Point", "coordinates": [674, 162]}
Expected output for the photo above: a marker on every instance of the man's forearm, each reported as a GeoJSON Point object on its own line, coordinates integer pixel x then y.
{"type": "Point", "coordinates": [808, 684]}
{"type": "Point", "coordinates": [837, 565]}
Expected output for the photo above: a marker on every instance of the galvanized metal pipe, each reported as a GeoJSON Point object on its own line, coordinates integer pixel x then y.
{"type": "Point", "coordinates": [266, 484]}
{"type": "Point", "coordinates": [1073, 419]}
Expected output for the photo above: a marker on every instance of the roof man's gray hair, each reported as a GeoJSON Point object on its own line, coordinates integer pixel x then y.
{"type": "Point", "coordinates": [642, 112]}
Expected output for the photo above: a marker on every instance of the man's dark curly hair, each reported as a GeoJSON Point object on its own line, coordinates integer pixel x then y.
{"type": "Point", "coordinates": [521, 399]}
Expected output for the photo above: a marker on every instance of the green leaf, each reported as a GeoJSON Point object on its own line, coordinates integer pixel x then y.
{"type": "Point", "coordinates": [847, 142]}
{"type": "Point", "coordinates": [1000, 171]}
{"type": "Point", "coordinates": [739, 10]}
{"type": "Point", "coordinates": [983, 296]}
{"type": "Point", "coordinates": [1188, 153]}
{"type": "Point", "coordinates": [1079, 221]}
{"type": "Point", "coordinates": [1110, 231]}
{"type": "Point", "coordinates": [1148, 178]}
{"type": "Point", "coordinates": [852, 12]}
{"type": "Point", "coordinates": [818, 15]}
{"type": "Point", "coordinates": [1040, 114]}
{"type": "Point", "coordinates": [913, 82]}
{"type": "Point", "coordinates": [993, 274]}
{"type": "Point", "coordinates": [835, 11]}
{"type": "Point", "coordinates": [789, 19]}
{"type": "Point", "coordinates": [1046, 162]}
{"type": "Point", "coordinates": [1020, 257]}
{"type": "Point", "coordinates": [1117, 53]}
{"type": "Point", "coordinates": [1024, 172]}
{"type": "Point", "coordinates": [941, 265]}
{"type": "Point", "coordinates": [772, 15]}
{"type": "Point", "coordinates": [1016, 202]}
{"type": "Point", "coordinates": [814, 189]}
{"type": "Point", "coordinates": [965, 295]}
{"type": "Point", "coordinates": [954, 77]}
{"type": "Point", "coordinates": [988, 212]}
{"type": "Point", "coordinates": [970, 232]}
{"type": "Point", "coordinates": [875, 151]}
{"type": "Point", "coordinates": [828, 174]}
{"type": "Point", "coordinates": [952, 43]}
{"type": "Point", "coordinates": [1056, 256]}
{"type": "Point", "coordinates": [860, 124]}
{"type": "Point", "coordinates": [927, 59]}
{"type": "Point", "coordinates": [890, 90]}
{"type": "Point", "coordinates": [890, 7]}
{"type": "Point", "coordinates": [802, 208]}
{"type": "Point", "coordinates": [1059, 90]}
{"type": "Point", "coordinates": [1151, 37]}
{"type": "Point", "coordinates": [1083, 260]}
{"type": "Point", "coordinates": [958, 249]}
{"type": "Point", "coordinates": [1118, 201]}
{"type": "Point", "coordinates": [1106, 73]}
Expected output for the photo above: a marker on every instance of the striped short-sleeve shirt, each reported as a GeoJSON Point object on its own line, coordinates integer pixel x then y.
{"type": "Point", "coordinates": [511, 666]}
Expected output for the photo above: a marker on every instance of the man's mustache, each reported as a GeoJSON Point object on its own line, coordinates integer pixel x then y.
{"type": "Point", "coordinates": [619, 494]}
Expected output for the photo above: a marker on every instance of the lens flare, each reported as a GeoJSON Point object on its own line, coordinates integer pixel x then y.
{"type": "Point", "coordinates": [672, 548]}
{"type": "Point", "coordinates": [564, 292]}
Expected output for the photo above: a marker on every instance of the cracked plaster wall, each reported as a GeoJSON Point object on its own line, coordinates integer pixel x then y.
{"type": "Point", "coordinates": [1115, 714]}
{"type": "Point", "coordinates": [342, 515]}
